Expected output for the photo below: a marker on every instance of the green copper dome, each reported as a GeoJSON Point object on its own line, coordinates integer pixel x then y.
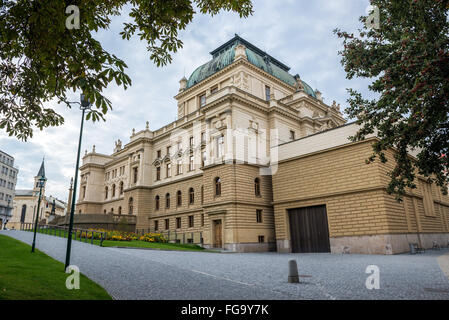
{"type": "Point", "coordinates": [224, 56]}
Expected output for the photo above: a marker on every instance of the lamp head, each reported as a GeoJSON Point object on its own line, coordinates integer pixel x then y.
{"type": "Point", "coordinates": [85, 103]}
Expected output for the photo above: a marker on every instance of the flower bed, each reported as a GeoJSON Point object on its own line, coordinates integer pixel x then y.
{"type": "Point", "coordinates": [121, 236]}
{"type": "Point", "coordinates": [153, 237]}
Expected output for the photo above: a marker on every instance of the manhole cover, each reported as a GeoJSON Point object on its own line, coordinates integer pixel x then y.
{"type": "Point", "coordinates": [436, 290]}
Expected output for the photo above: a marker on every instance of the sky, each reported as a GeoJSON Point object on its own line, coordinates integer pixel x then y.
{"type": "Point", "coordinates": [298, 33]}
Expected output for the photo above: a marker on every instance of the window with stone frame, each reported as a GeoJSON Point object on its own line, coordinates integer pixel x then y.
{"type": "Point", "coordinates": [220, 146]}
{"type": "Point", "coordinates": [167, 224]}
{"type": "Point", "coordinates": [267, 93]}
{"type": "Point", "coordinates": [178, 223]}
{"type": "Point", "coordinates": [191, 221]}
{"type": "Point", "coordinates": [167, 201]}
{"type": "Point", "coordinates": [179, 167]}
{"type": "Point", "coordinates": [157, 202]}
{"type": "Point", "coordinates": [168, 170]}
{"type": "Point", "coordinates": [191, 163]}
{"type": "Point", "coordinates": [217, 186]}
{"type": "Point", "coordinates": [257, 187]}
{"type": "Point", "coordinates": [191, 196]}
{"type": "Point", "coordinates": [202, 100]}
{"type": "Point", "coordinates": [259, 216]}
{"type": "Point", "coordinates": [158, 173]}
{"type": "Point", "coordinates": [179, 198]}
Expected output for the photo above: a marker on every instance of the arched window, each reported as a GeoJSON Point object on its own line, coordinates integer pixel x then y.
{"type": "Point", "coordinates": [191, 196]}
{"type": "Point", "coordinates": [121, 187]}
{"type": "Point", "coordinates": [130, 205]}
{"type": "Point", "coordinates": [113, 190]}
{"type": "Point", "coordinates": [217, 186]}
{"type": "Point", "coordinates": [119, 210]}
{"type": "Point", "coordinates": [179, 198]}
{"type": "Point", "coordinates": [157, 204]}
{"type": "Point", "coordinates": [106, 192]}
{"type": "Point", "coordinates": [257, 187]}
{"type": "Point", "coordinates": [24, 210]}
{"type": "Point", "coordinates": [167, 200]}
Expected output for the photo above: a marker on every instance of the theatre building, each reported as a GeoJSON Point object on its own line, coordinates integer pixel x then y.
{"type": "Point", "coordinates": [257, 161]}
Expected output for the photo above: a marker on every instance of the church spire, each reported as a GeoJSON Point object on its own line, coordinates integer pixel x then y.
{"type": "Point", "coordinates": [41, 172]}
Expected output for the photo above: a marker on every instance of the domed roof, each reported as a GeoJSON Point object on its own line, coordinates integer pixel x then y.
{"type": "Point", "coordinates": [224, 56]}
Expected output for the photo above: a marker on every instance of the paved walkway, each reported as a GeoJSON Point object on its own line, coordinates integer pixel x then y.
{"type": "Point", "coordinates": [154, 274]}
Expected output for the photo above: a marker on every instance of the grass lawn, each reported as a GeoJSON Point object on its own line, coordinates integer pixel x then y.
{"type": "Point", "coordinates": [25, 276]}
{"type": "Point", "coordinates": [135, 243]}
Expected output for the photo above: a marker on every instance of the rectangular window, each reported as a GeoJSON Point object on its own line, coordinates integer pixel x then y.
{"type": "Point", "coordinates": [191, 142]}
{"type": "Point", "coordinates": [261, 239]}
{"type": "Point", "coordinates": [178, 223]}
{"type": "Point", "coordinates": [267, 93]}
{"type": "Point", "coordinates": [259, 216]}
{"type": "Point", "coordinates": [179, 167]}
{"type": "Point", "coordinates": [167, 224]}
{"type": "Point", "coordinates": [203, 137]}
{"type": "Point", "coordinates": [158, 173]}
{"type": "Point", "coordinates": [191, 163]}
{"type": "Point", "coordinates": [191, 222]}
{"type": "Point", "coordinates": [168, 150]}
{"type": "Point", "coordinates": [220, 146]}
{"type": "Point", "coordinates": [214, 89]}
{"type": "Point", "coordinates": [168, 170]}
{"type": "Point", "coordinates": [156, 225]}
{"type": "Point", "coordinates": [292, 135]}
{"type": "Point", "coordinates": [135, 170]}
{"type": "Point", "coordinates": [203, 158]}
{"type": "Point", "coordinates": [202, 219]}
{"type": "Point", "coordinates": [202, 99]}
{"type": "Point", "coordinates": [179, 145]}
{"type": "Point", "coordinates": [159, 153]}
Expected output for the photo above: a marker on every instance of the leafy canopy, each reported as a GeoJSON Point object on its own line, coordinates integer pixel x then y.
{"type": "Point", "coordinates": [41, 59]}
{"type": "Point", "coordinates": [407, 56]}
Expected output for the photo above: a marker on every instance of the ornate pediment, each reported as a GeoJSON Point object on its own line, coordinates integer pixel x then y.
{"type": "Point", "coordinates": [157, 162]}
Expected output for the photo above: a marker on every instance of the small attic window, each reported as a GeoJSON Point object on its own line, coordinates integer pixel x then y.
{"type": "Point", "coordinates": [267, 93]}
{"type": "Point", "coordinates": [202, 99]}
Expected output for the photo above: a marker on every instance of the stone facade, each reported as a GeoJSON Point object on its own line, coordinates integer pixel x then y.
{"type": "Point", "coordinates": [229, 166]}
{"type": "Point", "coordinates": [362, 217]}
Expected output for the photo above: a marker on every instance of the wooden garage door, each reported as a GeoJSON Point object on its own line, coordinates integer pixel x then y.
{"type": "Point", "coordinates": [309, 230]}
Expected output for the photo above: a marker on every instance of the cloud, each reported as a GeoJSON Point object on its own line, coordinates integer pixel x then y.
{"type": "Point", "coordinates": [298, 33]}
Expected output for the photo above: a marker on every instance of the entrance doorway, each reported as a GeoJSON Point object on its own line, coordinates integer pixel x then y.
{"type": "Point", "coordinates": [309, 230]}
{"type": "Point", "coordinates": [218, 236]}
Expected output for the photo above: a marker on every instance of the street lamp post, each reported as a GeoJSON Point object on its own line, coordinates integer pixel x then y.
{"type": "Point", "coordinates": [84, 105]}
{"type": "Point", "coordinates": [41, 183]}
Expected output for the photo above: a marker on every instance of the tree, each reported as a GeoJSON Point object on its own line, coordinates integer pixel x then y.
{"type": "Point", "coordinates": [41, 59]}
{"type": "Point", "coordinates": [407, 56]}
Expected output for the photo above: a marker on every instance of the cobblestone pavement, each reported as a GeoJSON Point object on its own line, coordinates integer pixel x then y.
{"type": "Point", "coordinates": [155, 274]}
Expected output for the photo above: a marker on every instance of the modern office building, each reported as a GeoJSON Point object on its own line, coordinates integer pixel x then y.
{"type": "Point", "coordinates": [8, 180]}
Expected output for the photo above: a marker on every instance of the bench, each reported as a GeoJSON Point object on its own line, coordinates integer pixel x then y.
{"type": "Point", "coordinates": [415, 248]}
